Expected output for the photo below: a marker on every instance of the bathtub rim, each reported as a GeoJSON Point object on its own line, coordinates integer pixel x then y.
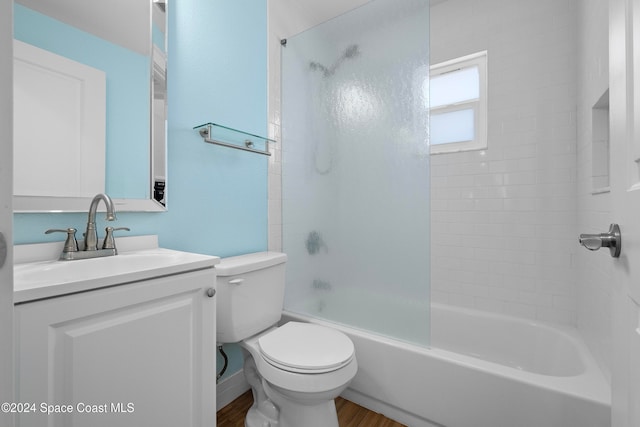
{"type": "Point", "coordinates": [590, 386]}
{"type": "Point", "coordinates": [562, 331]}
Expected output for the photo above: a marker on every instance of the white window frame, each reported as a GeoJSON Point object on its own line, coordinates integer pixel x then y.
{"type": "Point", "coordinates": [478, 105]}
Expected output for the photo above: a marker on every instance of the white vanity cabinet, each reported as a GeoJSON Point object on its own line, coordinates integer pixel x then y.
{"type": "Point", "coordinates": [137, 354]}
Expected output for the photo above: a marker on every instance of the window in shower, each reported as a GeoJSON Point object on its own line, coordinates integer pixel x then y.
{"type": "Point", "coordinates": [458, 95]}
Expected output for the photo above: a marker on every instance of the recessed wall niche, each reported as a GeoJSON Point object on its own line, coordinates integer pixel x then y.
{"type": "Point", "coordinates": [600, 145]}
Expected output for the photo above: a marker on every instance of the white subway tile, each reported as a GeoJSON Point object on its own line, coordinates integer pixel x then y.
{"type": "Point", "coordinates": [520, 310]}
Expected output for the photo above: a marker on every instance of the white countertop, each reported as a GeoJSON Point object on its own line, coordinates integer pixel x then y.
{"type": "Point", "coordinates": [38, 274]}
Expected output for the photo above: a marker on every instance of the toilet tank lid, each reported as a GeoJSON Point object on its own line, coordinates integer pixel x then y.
{"type": "Point", "coordinates": [241, 264]}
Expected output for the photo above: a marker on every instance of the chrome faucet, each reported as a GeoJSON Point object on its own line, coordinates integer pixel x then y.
{"type": "Point", "coordinates": [91, 235]}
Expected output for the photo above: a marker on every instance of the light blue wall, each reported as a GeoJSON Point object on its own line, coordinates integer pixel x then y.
{"type": "Point", "coordinates": [217, 72]}
{"type": "Point", "coordinates": [217, 197]}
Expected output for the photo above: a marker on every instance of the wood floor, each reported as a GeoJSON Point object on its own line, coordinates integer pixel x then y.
{"type": "Point", "coordinates": [349, 414]}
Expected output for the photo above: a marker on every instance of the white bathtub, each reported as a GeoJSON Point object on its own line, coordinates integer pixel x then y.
{"type": "Point", "coordinates": [482, 370]}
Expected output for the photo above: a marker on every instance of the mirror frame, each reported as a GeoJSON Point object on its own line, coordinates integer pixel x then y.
{"type": "Point", "coordinates": [45, 204]}
{"type": "Point", "coordinates": [40, 204]}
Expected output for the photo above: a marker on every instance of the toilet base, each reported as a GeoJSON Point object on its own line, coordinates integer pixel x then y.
{"type": "Point", "coordinates": [263, 413]}
{"type": "Point", "coordinates": [274, 407]}
{"type": "Point", "coordinates": [257, 419]}
{"type": "Point", "coordinates": [302, 411]}
{"type": "Point", "coordinates": [291, 414]}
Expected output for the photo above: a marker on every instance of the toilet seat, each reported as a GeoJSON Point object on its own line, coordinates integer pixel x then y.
{"type": "Point", "coordinates": [306, 348]}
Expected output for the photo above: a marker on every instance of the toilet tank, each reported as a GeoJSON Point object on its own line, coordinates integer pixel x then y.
{"type": "Point", "coordinates": [250, 294]}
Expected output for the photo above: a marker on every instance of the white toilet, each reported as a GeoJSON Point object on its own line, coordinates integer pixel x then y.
{"type": "Point", "coordinates": [295, 370]}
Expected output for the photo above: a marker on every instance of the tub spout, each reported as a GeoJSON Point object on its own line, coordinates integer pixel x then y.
{"type": "Point", "coordinates": [611, 240]}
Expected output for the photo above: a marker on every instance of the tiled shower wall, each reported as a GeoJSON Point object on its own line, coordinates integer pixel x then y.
{"type": "Point", "coordinates": [275, 161]}
{"type": "Point", "coordinates": [504, 234]}
{"type": "Point", "coordinates": [504, 229]}
{"type": "Point", "coordinates": [283, 21]}
{"type": "Point", "coordinates": [504, 219]}
{"type": "Point", "coordinates": [594, 269]}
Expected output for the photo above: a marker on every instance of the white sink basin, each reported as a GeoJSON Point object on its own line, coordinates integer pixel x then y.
{"type": "Point", "coordinates": [45, 279]}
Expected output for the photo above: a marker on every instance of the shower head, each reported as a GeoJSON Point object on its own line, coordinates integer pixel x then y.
{"type": "Point", "coordinates": [349, 53]}
{"type": "Point", "coordinates": [319, 67]}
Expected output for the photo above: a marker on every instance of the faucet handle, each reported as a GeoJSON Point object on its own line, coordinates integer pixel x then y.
{"type": "Point", "coordinates": [109, 241]}
{"type": "Point", "coordinates": [71, 244]}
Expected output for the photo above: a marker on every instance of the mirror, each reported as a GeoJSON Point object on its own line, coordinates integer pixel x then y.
{"type": "Point", "coordinates": [126, 41]}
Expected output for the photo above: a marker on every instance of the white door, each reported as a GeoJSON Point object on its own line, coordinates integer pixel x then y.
{"type": "Point", "coordinates": [624, 72]}
{"type": "Point", "coordinates": [6, 193]}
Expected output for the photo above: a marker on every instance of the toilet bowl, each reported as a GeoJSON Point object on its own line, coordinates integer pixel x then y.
{"type": "Point", "coordinates": [301, 368]}
{"type": "Point", "coordinates": [295, 370]}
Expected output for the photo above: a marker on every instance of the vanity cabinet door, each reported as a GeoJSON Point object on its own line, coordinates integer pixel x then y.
{"type": "Point", "coordinates": [140, 354]}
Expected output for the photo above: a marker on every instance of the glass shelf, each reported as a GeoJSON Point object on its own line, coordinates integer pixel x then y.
{"type": "Point", "coordinates": [217, 134]}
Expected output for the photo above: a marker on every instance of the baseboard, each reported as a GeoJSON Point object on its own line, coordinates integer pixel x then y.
{"type": "Point", "coordinates": [230, 388]}
{"type": "Point", "coordinates": [387, 410]}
